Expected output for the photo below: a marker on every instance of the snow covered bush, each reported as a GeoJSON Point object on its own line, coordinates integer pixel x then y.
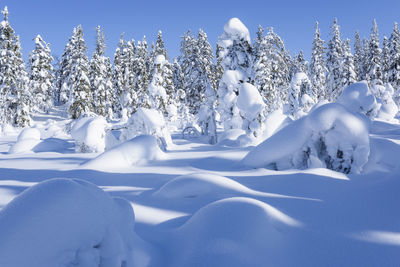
{"type": "Point", "coordinates": [148, 121]}
{"type": "Point", "coordinates": [300, 95]}
{"type": "Point", "coordinates": [63, 222]}
{"type": "Point", "coordinates": [384, 96]}
{"type": "Point", "coordinates": [89, 134]}
{"type": "Point", "coordinates": [138, 150]}
{"type": "Point", "coordinates": [358, 98]}
{"type": "Point", "coordinates": [331, 136]}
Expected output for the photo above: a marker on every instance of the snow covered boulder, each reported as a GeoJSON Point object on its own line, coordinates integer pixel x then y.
{"type": "Point", "coordinates": [331, 136]}
{"type": "Point", "coordinates": [63, 222]}
{"type": "Point", "coordinates": [235, 231]}
{"type": "Point", "coordinates": [138, 150]}
{"type": "Point", "coordinates": [357, 97]}
{"type": "Point", "coordinates": [26, 141]}
{"type": "Point", "coordinates": [90, 134]}
{"type": "Point", "coordinates": [148, 122]}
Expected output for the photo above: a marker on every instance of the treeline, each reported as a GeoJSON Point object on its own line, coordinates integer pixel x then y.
{"type": "Point", "coordinates": [194, 86]}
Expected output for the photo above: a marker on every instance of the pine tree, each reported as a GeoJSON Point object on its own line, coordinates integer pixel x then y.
{"type": "Point", "coordinates": [394, 63]}
{"type": "Point", "coordinates": [358, 57]}
{"type": "Point", "coordinates": [80, 100]}
{"type": "Point", "coordinates": [348, 69]}
{"type": "Point", "coordinates": [300, 64]}
{"type": "Point", "coordinates": [272, 71]}
{"type": "Point", "coordinates": [41, 79]}
{"type": "Point", "coordinates": [257, 44]}
{"type": "Point", "coordinates": [142, 75]}
{"type": "Point", "coordinates": [15, 99]}
{"type": "Point", "coordinates": [385, 59]}
{"type": "Point", "coordinates": [101, 78]}
{"type": "Point", "coordinates": [318, 67]}
{"type": "Point", "coordinates": [373, 58]}
{"type": "Point", "coordinates": [63, 72]}
{"type": "Point", "coordinates": [333, 63]}
{"type": "Point", "coordinates": [160, 47]}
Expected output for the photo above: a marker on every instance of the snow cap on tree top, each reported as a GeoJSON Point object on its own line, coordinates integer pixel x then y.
{"type": "Point", "coordinates": [5, 13]}
{"type": "Point", "coordinates": [235, 27]}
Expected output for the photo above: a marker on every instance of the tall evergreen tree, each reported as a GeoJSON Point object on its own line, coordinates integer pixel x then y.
{"type": "Point", "coordinates": [101, 78]}
{"type": "Point", "coordinates": [142, 75]}
{"type": "Point", "coordinates": [348, 70]}
{"type": "Point", "coordinates": [80, 100]}
{"type": "Point", "coordinates": [385, 59]}
{"type": "Point", "coordinates": [41, 79]}
{"type": "Point", "coordinates": [14, 101]}
{"type": "Point", "coordinates": [160, 47]}
{"type": "Point", "coordinates": [333, 63]}
{"type": "Point", "coordinates": [394, 55]}
{"type": "Point", "coordinates": [373, 57]}
{"type": "Point", "coordinates": [317, 66]}
{"type": "Point", "coordinates": [358, 57]}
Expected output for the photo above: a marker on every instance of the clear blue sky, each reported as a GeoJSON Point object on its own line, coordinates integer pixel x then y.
{"type": "Point", "coordinates": [292, 20]}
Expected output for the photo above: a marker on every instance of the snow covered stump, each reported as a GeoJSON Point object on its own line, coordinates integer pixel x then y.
{"type": "Point", "coordinates": [62, 222]}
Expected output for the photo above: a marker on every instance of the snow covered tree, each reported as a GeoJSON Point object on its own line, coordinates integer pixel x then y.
{"type": "Point", "coordinates": [272, 71]}
{"type": "Point", "coordinates": [236, 60]}
{"type": "Point", "coordinates": [373, 57]}
{"type": "Point", "coordinates": [41, 80]}
{"type": "Point", "coordinates": [394, 63]}
{"type": "Point", "coordinates": [160, 47]}
{"type": "Point", "coordinates": [385, 59]}
{"type": "Point", "coordinates": [80, 100]}
{"type": "Point", "coordinates": [317, 66]}
{"type": "Point", "coordinates": [300, 95]}
{"type": "Point", "coordinates": [156, 91]}
{"type": "Point", "coordinates": [101, 78]}
{"type": "Point", "coordinates": [257, 43]}
{"type": "Point", "coordinates": [300, 64]}
{"type": "Point", "coordinates": [358, 57]}
{"type": "Point", "coordinates": [14, 95]}
{"type": "Point", "coordinates": [123, 79]}
{"type": "Point", "coordinates": [141, 72]}
{"type": "Point", "coordinates": [333, 63]}
{"type": "Point", "coordinates": [348, 70]}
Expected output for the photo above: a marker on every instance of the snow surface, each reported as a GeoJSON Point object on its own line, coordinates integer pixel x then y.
{"type": "Point", "coordinates": [197, 205]}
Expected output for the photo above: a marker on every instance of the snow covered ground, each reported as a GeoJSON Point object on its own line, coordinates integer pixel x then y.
{"type": "Point", "coordinates": [194, 204]}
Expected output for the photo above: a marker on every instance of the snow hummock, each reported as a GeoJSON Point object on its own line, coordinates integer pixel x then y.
{"type": "Point", "coordinates": [236, 231]}
{"type": "Point", "coordinates": [63, 222]}
{"type": "Point", "coordinates": [357, 97]}
{"type": "Point", "coordinates": [89, 134]}
{"type": "Point", "coordinates": [26, 141]}
{"type": "Point", "coordinates": [331, 136]}
{"type": "Point", "coordinates": [235, 28]}
{"type": "Point", "coordinates": [138, 150]}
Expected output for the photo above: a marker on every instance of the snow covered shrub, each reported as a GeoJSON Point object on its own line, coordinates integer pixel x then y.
{"type": "Point", "coordinates": [384, 96]}
{"type": "Point", "coordinates": [89, 134]}
{"type": "Point", "coordinates": [300, 95]}
{"type": "Point", "coordinates": [148, 121]}
{"type": "Point", "coordinates": [331, 136]}
{"type": "Point", "coordinates": [66, 222]}
{"type": "Point", "coordinates": [358, 98]}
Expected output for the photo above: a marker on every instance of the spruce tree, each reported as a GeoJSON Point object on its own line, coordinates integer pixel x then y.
{"type": "Point", "coordinates": [385, 59]}
{"type": "Point", "coordinates": [358, 57]}
{"type": "Point", "coordinates": [348, 70]}
{"type": "Point", "coordinates": [41, 80]}
{"type": "Point", "coordinates": [15, 98]}
{"type": "Point", "coordinates": [333, 63]}
{"type": "Point", "coordinates": [317, 66]}
{"type": "Point", "coordinates": [394, 63]}
{"type": "Point", "coordinates": [101, 78]}
{"type": "Point", "coordinates": [373, 57]}
{"type": "Point", "coordinates": [80, 100]}
{"type": "Point", "coordinates": [142, 76]}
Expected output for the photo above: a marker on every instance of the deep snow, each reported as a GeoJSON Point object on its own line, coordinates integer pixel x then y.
{"type": "Point", "coordinates": [197, 205]}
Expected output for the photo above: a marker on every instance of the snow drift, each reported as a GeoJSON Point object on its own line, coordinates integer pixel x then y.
{"type": "Point", "coordinates": [138, 150]}
{"type": "Point", "coordinates": [331, 136]}
{"type": "Point", "coordinates": [232, 232]}
{"type": "Point", "coordinates": [89, 134]}
{"type": "Point", "coordinates": [62, 223]}
{"type": "Point", "coordinates": [26, 141]}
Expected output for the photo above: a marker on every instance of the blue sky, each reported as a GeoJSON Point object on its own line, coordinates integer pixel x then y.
{"type": "Point", "coordinates": [292, 20]}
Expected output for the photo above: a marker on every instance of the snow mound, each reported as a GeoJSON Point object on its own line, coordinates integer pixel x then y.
{"type": "Point", "coordinates": [89, 134]}
{"type": "Point", "coordinates": [388, 108]}
{"type": "Point", "coordinates": [148, 122]}
{"type": "Point", "coordinates": [235, 28]}
{"type": "Point", "coordinates": [138, 150]}
{"type": "Point", "coordinates": [64, 222]}
{"type": "Point", "coordinates": [233, 232]}
{"type": "Point", "coordinates": [357, 97]}
{"type": "Point", "coordinates": [330, 136]}
{"type": "Point", "coordinates": [199, 184]}
{"type": "Point", "coordinates": [26, 141]}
